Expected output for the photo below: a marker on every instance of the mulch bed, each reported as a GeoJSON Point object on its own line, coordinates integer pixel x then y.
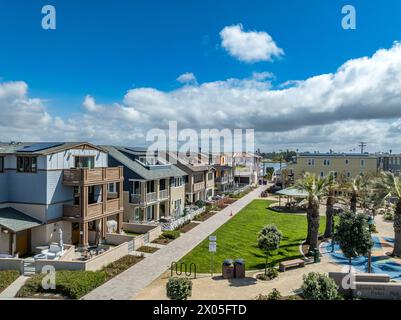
{"type": "Point", "coordinates": [204, 216]}
{"type": "Point", "coordinates": [188, 227]}
{"type": "Point", "coordinates": [163, 241]}
{"type": "Point", "coordinates": [147, 249]}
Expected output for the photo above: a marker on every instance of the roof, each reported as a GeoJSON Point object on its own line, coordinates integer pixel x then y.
{"type": "Point", "coordinates": [15, 220]}
{"type": "Point", "coordinates": [293, 192]}
{"type": "Point", "coordinates": [355, 155]}
{"type": "Point", "coordinates": [194, 167]}
{"type": "Point", "coordinates": [166, 171]}
{"type": "Point", "coordinates": [44, 148]}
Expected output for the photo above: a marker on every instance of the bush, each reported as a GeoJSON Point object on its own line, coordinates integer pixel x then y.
{"type": "Point", "coordinates": [7, 277]}
{"type": "Point", "coordinates": [179, 288]}
{"type": "Point", "coordinates": [270, 274]}
{"type": "Point", "coordinates": [71, 284]}
{"type": "Point", "coordinates": [171, 234]}
{"type": "Point", "coordinates": [388, 216]}
{"type": "Point", "coordinates": [120, 265]}
{"type": "Point", "coordinates": [274, 295]}
{"type": "Point", "coordinates": [317, 286]}
{"type": "Point", "coordinates": [200, 203]}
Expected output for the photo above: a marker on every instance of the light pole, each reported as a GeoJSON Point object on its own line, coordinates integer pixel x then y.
{"type": "Point", "coordinates": [370, 222]}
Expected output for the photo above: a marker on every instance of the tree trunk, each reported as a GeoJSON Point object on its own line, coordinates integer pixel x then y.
{"type": "Point", "coordinates": [397, 229]}
{"type": "Point", "coordinates": [308, 221]}
{"type": "Point", "coordinates": [329, 216]}
{"type": "Point", "coordinates": [266, 265]}
{"type": "Point", "coordinates": [353, 202]}
{"type": "Point", "coordinates": [314, 228]}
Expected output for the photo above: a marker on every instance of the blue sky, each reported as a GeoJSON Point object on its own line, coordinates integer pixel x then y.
{"type": "Point", "coordinates": [106, 48]}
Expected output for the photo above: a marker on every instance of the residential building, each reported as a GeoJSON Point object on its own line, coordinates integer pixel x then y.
{"type": "Point", "coordinates": [389, 162]}
{"type": "Point", "coordinates": [349, 165]}
{"type": "Point", "coordinates": [247, 167]}
{"type": "Point", "coordinates": [199, 184]}
{"type": "Point", "coordinates": [153, 188]}
{"type": "Point", "coordinates": [224, 175]}
{"type": "Point", "coordinates": [46, 188]}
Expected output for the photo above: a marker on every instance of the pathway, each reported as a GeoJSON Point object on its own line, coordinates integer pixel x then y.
{"type": "Point", "coordinates": [11, 291]}
{"type": "Point", "coordinates": [132, 281]}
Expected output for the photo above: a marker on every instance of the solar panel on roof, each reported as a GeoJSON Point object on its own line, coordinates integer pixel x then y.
{"type": "Point", "coordinates": [40, 146]}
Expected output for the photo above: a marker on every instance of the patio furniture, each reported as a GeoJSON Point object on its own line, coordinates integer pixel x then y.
{"type": "Point", "coordinates": [291, 263]}
{"type": "Point", "coordinates": [53, 253]}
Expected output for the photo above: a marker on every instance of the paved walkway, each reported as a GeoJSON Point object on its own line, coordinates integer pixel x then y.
{"type": "Point", "coordinates": [132, 281]}
{"type": "Point", "coordinates": [13, 288]}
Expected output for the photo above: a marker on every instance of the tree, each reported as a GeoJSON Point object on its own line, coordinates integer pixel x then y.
{"type": "Point", "coordinates": [331, 186]}
{"type": "Point", "coordinates": [179, 288]}
{"type": "Point", "coordinates": [359, 190]}
{"type": "Point", "coordinates": [353, 235]}
{"type": "Point", "coordinates": [268, 240]}
{"type": "Point", "coordinates": [317, 286]}
{"type": "Point", "coordinates": [315, 188]}
{"type": "Point", "coordinates": [386, 186]}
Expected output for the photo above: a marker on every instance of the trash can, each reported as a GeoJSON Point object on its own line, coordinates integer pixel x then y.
{"type": "Point", "coordinates": [316, 256]}
{"type": "Point", "coordinates": [228, 269]}
{"type": "Point", "coordinates": [239, 268]}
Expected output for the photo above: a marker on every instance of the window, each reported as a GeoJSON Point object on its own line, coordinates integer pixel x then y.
{"type": "Point", "coordinates": [362, 162]}
{"type": "Point", "coordinates": [311, 162]}
{"type": "Point", "coordinates": [77, 196]}
{"type": "Point", "coordinates": [321, 174]}
{"type": "Point", "coordinates": [326, 162]}
{"type": "Point", "coordinates": [176, 182]}
{"type": "Point", "coordinates": [84, 162]}
{"type": "Point", "coordinates": [26, 164]}
{"type": "Point", "coordinates": [346, 161]}
{"type": "Point", "coordinates": [1, 164]}
{"type": "Point", "coordinates": [137, 215]}
{"type": "Point", "coordinates": [348, 174]}
{"type": "Point", "coordinates": [210, 176]}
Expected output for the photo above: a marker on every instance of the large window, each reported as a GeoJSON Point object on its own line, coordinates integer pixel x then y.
{"type": "Point", "coordinates": [311, 162]}
{"type": "Point", "coordinates": [326, 162]}
{"type": "Point", "coordinates": [84, 162]}
{"type": "Point", "coordinates": [176, 182]}
{"type": "Point", "coordinates": [1, 164]}
{"type": "Point", "coordinates": [27, 164]}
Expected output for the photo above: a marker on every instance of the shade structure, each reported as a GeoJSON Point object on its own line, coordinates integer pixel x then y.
{"type": "Point", "coordinates": [292, 192]}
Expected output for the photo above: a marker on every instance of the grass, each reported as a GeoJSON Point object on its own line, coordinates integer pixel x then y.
{"type": "Point", "coordinates": [7, 277]}
{"type": "Point", "coordinates": [238, 238]}
{"type": "Point", "coordinates": [76, 284]}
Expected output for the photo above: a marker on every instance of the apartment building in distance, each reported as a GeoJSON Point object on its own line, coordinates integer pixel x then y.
{"type": "Point", "coordinates": [350, 165]}
{"type": "Point", "coordinates": [389, 162]}
{"type": "Point", "coordinates": [224, 175]}
{"type": "Point", "coordinates": [154, 189]}
{"type": "Point", "coordinates": [247, 167]}
{"type": "Point", "coordinates": [48, 187]}
{"type": "Point", "coordinates": [199, 184]}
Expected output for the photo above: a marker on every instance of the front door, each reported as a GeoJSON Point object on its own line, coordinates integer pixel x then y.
{"type": "Point", "coordinates": [22, 242]}
{"type": "Point", "coordinates": [75, 233]}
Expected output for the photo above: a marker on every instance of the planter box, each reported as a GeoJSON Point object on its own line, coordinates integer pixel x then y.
{"type": "Point", "coordinates": [228, 271]}
{"type": "Point", "coordinates": [239, 270]}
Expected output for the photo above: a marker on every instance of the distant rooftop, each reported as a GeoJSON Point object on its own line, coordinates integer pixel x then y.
{"type": "Point", "coordinates": [334, 154]}
{"type": "Point", "coordinates": [39, 148]}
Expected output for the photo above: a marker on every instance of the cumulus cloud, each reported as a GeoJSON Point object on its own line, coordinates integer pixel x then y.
{"type": "Point", "coordinates": [361, 101]}
{"type": "Point", "coordinates": [187, 78]}
{"type": "Point", "coordinates": [249, 46]}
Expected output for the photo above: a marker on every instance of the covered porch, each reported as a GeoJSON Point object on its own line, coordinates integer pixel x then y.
{"type": "Point", "coordinates": [15, 232]}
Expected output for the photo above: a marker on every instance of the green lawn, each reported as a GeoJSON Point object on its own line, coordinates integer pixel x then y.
{"type": "Point", "coordinates": [238, 238]}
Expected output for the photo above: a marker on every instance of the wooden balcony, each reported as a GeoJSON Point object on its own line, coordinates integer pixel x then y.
{"type": "Point", "coordinates": [92, 210]}
{"type": "Point", "coordinates": [86, 176]}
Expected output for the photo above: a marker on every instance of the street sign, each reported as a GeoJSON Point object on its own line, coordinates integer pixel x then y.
{"type": "Point", "coordinates": [212, 238]}
{"type": "Point", "coordinates": [212, 247]}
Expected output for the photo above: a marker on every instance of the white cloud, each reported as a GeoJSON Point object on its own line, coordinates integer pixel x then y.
{"type": "Point", "coordinates": [361, 101]}
{"type": "Point", "coordinates": [249, 46]}
{"type": "Point", "coordinates": [187, 78]}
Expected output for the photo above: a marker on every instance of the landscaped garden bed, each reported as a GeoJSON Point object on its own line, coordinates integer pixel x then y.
{"type": "Point", "coordinates": [147, 249]}
{"type": "Point", "coordinates": [167, 236]}
{"type": "Point", "coordinates": [188, 226]}
{"type": "Point", "coordinates": [75, 284]}
{"type": "Point", "coordinates": [238, 238]}
{"type": "Point", "coordinates": [7, 277]}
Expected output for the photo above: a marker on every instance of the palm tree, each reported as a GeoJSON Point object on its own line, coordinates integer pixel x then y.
{"type": "Point", "coordinates": [359, 189]}
{"type": "Point", "coordinates": [315, 188]}
{"type": "Point", "coordinates": [386, 186]}
{"type": "Point", "coordinates": [330, 189]}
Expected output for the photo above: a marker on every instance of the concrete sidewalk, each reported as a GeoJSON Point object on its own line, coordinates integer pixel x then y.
{"type": "Point", "coordinates": [11, 291]}
{"type": "Point", "coordinates": [132, 281]}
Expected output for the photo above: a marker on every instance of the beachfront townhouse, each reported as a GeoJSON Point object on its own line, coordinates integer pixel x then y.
{"type": "Point", "coordinates": [348, 165]}
{"type": "Point", "coordinates": [224, 175]}
{"type": "Point", "coordinates": [153, 188]}
{"type": "Point", "coordinates": [247, 167]}
{"type": "Point", "coordinates": [389, 162]}
{"type": "Point", "coordinates": [53, 189]}
{"type": "Point", "coordinates": [199, 183]}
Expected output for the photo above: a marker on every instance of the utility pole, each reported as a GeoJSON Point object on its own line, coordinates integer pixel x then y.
{"type": "Point", "coordinates": [362, 145]}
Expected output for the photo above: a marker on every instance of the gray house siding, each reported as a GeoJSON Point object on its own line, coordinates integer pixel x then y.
{"type": "Point", "coordinates": [3, 187]}
{"type": "Point", "coordinates": [27, 187]}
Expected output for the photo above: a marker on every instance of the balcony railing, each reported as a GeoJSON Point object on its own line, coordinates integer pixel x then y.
{"type": "Point", "coordinates": [79, 176]}
{"type": "Point", "coordinates": [222, 180]}
{"type": "Point", "coordinates": [93, 210]}
{"type": "Point", "coordinates": [151, 197]}
{"type": "Point", "coordinates": [199, 186]}
{"type": "Point", "coordinates": [163, 194]}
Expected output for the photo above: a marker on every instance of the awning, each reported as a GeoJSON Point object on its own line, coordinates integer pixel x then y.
{"type": "Point", "coordinates": [292, 192]}
{"type": "Point", "coordinates": [15, 220]}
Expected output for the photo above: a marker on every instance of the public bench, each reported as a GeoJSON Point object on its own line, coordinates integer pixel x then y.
{"type": "Point", "coordinates": [290, 264]}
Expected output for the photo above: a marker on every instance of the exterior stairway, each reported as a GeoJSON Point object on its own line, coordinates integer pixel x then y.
{"type": "Point", "coordinates": [29, 267]}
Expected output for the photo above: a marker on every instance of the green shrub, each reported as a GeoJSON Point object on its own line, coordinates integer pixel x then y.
{"type": "Point", "coordinates": [171, 234]}
{"type": "Point", "coordinates": [179, 288]}
{"type": "Point", "coordinates": [388, 216]}
{"type": "Point", "coordinates": [200, 203]}
{"type": "Point", "coordinates": [274, 295]}
{"type": "Point", "coordinates": [270, 274]}
{"type": "Point", "coordinates": [317, 286]}
{"type": "Point", "coordinates": [120, 265]}
{"type": "Point", "coordinates": [71, 284]}
{"type": "Point", "coordinates": [7, 277]}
